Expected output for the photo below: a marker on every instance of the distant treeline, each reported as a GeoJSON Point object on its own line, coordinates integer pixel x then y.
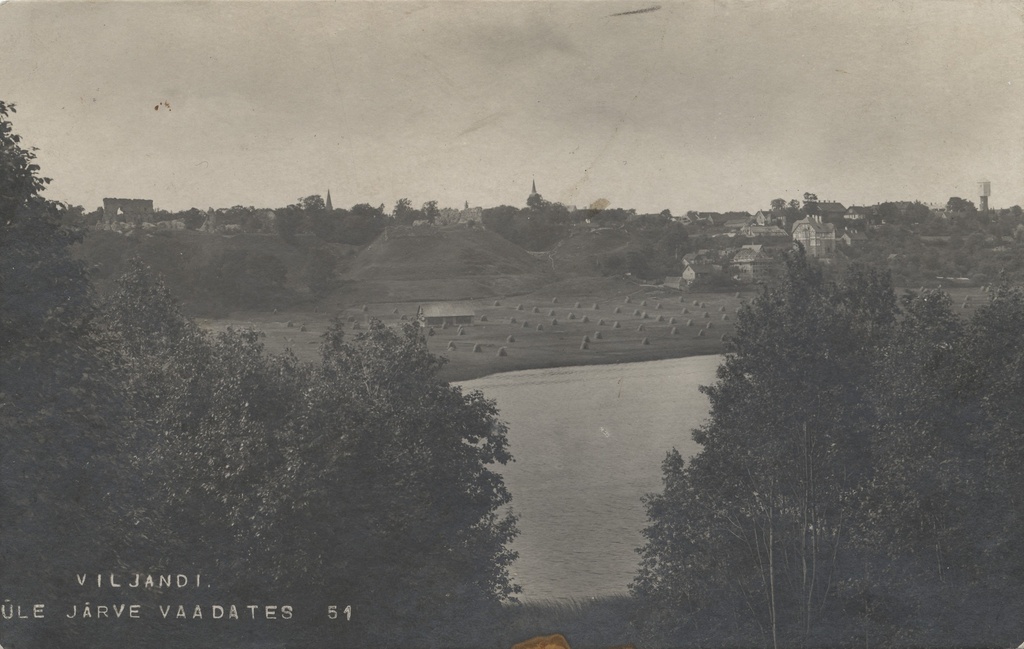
{"type": "Point", "coordinates": [856, 484]}
{"type": "Point", "coordinates": [657, 242]}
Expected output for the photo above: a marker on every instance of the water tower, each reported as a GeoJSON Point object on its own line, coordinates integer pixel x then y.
{"type": "Point", "coordinates": [984, 191]}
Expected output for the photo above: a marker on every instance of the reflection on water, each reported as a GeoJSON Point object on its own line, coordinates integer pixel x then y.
{"type": "Point", "coordinates": [588, 443]}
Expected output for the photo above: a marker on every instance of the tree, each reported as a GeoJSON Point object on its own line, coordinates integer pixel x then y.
{"type": "Point", "coordinates": [430, 211]}
{"type": "Point", "coordinates": [63, 425]}
{"type": "Point", "coordinates": [778, 204]}
{"type": "Point", "coordinates": [287, 222]}
{"type": "Point", "coordinates": [749, 542]}
{"type": "Point", "coordinates": [536, 202]}
{"type": "Point", "coordinates": [957, 204]}
{"type": "Point", "coordinates": [374, 478]}
{"type": "Point", "coordinates": [313, 203]}
{"type": "Point", "coordinates": [403, 207]}
{"type": "Point", "coordinates": [810, 203]}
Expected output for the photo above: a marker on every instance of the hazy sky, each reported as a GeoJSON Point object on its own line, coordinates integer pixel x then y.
{"type": "Point", "coordinates": [706, 105]}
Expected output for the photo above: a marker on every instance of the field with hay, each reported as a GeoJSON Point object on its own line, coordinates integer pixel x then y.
{"type": "Point", "coordinates": [537, 330]}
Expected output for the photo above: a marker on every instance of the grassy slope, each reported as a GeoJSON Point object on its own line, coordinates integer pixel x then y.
{"type": "Point", "coordinates": [576, 255]}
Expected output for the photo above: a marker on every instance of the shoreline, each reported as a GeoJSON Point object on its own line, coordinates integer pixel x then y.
{"type": "Point", "coordinates": [462, 374]}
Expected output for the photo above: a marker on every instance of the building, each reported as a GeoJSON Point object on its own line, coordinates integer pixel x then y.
{"type": "Point", "coordinates": [817, 238]}
{"type": "Point", "coordinates": [737, 223]}
{"type": "Point", "coordinates": [852, 237]}
{"type": "Point", "coordinates": [830, 211]}
{"type": "Point", "coordinates": [753, 231]}
{"type": "Point", "coordinates": [752, 263]}
{"type": "Point", "coordinates": [445, 313]}
{"type": "Point", "coordinates": [770, 217]}
{"type": "Point", "coordinates": [693, 272]}
{"type": "Point", "coordinates": [133, 211]}
{"type": "Point", "coordinates": [859, 215]}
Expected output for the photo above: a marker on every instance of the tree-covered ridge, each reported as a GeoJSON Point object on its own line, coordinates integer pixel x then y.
{"type": "Point", "coordinates": [854, 483]}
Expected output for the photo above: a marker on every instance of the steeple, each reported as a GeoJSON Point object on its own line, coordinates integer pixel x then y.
{"type": "Point", "coordinates": [534, 189]}
{"type": "Point", "coordinates": [329, 206]}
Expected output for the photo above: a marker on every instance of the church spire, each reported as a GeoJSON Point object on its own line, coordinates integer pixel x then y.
{"type": "Point", "coordinates": [329, 206]}
{"type": "Point", "coordinates": [534, 190]}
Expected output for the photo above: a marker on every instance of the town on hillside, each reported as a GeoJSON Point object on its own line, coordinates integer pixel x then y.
{"type": "Point", "coordinates": [958, 242]}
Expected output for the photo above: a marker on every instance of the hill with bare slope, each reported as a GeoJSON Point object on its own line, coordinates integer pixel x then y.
{"type": "Point", "coordinates": [418, 263]}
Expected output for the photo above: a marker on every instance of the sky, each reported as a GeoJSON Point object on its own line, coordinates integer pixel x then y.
{"type": "Point", "coordinates": [702, 105]}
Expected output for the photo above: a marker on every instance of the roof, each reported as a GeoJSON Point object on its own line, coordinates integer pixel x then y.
{"type": "Point", "coordinates": [701, 269]}
{"type": "Point", "coordinates": [823, 228]}
{"type": "Point", "coordinates": [766, 231]}
{"type": "Point", "coordinates": [831, 206]}
{"type": "Point", "coordinates": [737, 223]}
{"type": "Point", "coordinates": [446, 309]}
{"type": "Point", "coordinates": [749, 254]}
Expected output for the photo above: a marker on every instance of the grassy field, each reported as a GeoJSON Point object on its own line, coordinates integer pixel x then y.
{"type": "Point", "coordinates": [548, 327]}
{"type": "Point", "coordinates": [544, 329]}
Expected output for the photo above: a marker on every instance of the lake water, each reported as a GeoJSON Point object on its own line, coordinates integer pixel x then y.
{"type": "Point", "coordinates": [588, 443]}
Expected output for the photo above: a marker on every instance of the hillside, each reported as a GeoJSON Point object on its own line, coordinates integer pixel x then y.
{"type": "Point", "coordinates": [409, 264]}
{"type": "Point", "coordinates": [219, 274]}
{"type": "Point", "coordinates": [214, 274]}
{"type": "Point", "coordinates": [441, 253]}
{"type": "Point", "coordinates": [587, 251]}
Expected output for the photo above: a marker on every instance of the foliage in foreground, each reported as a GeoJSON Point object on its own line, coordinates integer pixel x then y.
{"type": "Point", "coordinates": [853, 486]}
{"type": "Point", "coordinates": [133, 442]}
